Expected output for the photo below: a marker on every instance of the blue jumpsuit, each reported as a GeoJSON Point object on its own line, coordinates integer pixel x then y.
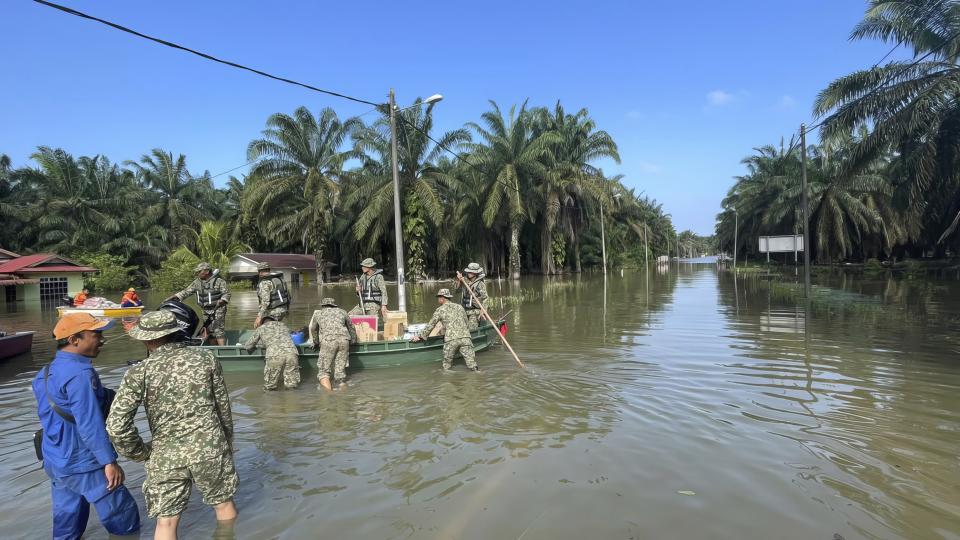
{"type": "Point", "coordinates": [75, 454]}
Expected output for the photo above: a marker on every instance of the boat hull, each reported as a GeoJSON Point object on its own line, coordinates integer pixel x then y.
{"type": "Point", "coordinates": [102, 312]}
{"type": "Point", "coordinates": [368, 355]}
{"type": "Point", "coordinates": [15, 344]}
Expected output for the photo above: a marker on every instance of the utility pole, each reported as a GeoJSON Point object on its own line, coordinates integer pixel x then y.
{"type": "Point", "coordinates": [736, 227]}
{"type": "Point", "coordinates": [646, 248]}
{"type": "Point", "coordinates": [806, 217]}
{"type": "Point", "coordinates": [603, 240]}
{"type": "Point", "coordinates": [398, 230]}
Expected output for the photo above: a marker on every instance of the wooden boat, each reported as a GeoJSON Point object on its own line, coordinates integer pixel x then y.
{"type": "Point", "coordinates": [101, 312]}
{"type": "Point", "coordinates": [364, 355]}
{"type": "Point", "coordinates": [16, 343]}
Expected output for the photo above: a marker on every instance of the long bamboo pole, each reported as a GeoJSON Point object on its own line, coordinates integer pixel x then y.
{"type": "Point", "coordinates": [483, 310]}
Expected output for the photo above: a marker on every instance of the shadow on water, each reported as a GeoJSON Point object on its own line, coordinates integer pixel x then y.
{"type": "Point", "coordinates": [674, 403]}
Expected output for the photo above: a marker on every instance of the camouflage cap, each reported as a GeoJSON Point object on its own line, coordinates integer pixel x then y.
{"type": "Point", "coordinates": [154, 325]}
{"type": "Point", "coordinates": [329, 302]}
{"type": "Point", "coordinates": [368, 263]}
{"type": "Point", "coordinates": [444, 293]}
{"type": "Point", "coordinates": [473, 268]}
{"type": "Point", "coordinates": [201, 267]}
{"type": "Point", "coordinates": [263, 266]}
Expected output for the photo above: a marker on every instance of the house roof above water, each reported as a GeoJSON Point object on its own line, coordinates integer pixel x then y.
{"type": "Point", "coordinates": [282, 260]}
{"type": "Point", "coordinates": [42, 262]}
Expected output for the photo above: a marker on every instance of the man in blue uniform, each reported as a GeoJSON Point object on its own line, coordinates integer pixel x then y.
{"type": "Point", "coordinates": [77, 454]}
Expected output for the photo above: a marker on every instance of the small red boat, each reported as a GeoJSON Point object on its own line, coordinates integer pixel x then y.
{"type": "Point", "coordinates": [16, 343]}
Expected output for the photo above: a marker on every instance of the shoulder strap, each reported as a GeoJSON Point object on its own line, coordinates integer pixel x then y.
{"type": "Point", "coordinates": [56, 408]}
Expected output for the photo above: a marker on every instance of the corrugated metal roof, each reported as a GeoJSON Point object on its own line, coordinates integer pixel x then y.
{"type": "Point", "coordinates": [42, 262]}
{"type": "Point", "coordinates": [283, 260]}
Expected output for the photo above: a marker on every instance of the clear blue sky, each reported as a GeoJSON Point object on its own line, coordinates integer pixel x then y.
{"type": "Point", "coordinates": [687, 89]}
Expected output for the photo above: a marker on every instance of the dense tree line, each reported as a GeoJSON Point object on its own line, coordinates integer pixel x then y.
{"type": "Point", "coordinates": [523, 194]}
{"type": "Point", "coordinates": [884, 180]}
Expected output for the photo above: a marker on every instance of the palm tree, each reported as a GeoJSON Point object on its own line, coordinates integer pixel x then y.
{"type": "Point", "coordinates": [175, 195]}
{"type": "Point", "coordinates": [562, 190]}
{"type": "Point", "coordinates": [294, 191]}
{"type": "Point", "coordinates": [911, 107]}
{"type": "Point", "coordinates": [422, 181]}
{"type": "Point", "coordinates": [514, 159]}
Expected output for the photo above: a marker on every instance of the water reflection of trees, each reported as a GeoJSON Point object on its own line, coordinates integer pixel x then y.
{"type": "Point", "coordinates": [861, 378]}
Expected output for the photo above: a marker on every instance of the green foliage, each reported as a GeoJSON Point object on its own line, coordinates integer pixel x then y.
{"type": "Point", "coordinates": [873, 266]}
{"type": "Point", "coordinates": [176, 272]}
{"type": "Point", "coordinates": [113, 275]}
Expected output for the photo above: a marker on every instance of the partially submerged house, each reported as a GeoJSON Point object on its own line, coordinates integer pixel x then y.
{"type": "Point", "coordinates": [43, 278]}
{"type": "Point", "coordinates": [296, 268]}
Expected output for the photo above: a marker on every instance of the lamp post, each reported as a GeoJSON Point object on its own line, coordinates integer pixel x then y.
{"type": "Point", "coordinates": [736, 225]}
{"type": "Point", "coordinates": [398, 232]}
{"type": "Point", "coordinates": [603, 237]}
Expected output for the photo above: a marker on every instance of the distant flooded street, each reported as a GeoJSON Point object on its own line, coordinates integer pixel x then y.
{"type": "Point", "coordinates": [678, 404]}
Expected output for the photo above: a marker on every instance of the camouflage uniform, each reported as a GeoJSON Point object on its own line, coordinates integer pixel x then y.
{"type": "Point", "coordinates": [456, 336]}
{"type": "Point", "coordinates": [282, 355]}
{"type": "Point", "coordinates": [469, 305]}
{"type": "Point", "coordinates": [332, 331]}
{"type": "Point", "coordinates": [188, 410]}
{"type": "Point", "coordinates": [215, 313]}
{"type": "Point", "coordinates": [264, 290]}
{"type": "Point", "coordinates": [373, 286]}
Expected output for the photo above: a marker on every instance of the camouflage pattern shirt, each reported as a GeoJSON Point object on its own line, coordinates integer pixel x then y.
{"type": "Point", "coordinates": [454, 320]}
{"type": "Point", "coordinates": [206, 288]}
{"type": "Point", "coordinates": [264, 290]}
{"type": "Point", "coordinates": [331, 323]}
{"type": "Point", "coordinates": [187, 404]}
{"type": "Point", "coordinates": [371, 285]}
{"type": "Point", "coordinates": [479, 289]}
{"type": "Point", "coordinates": [274, 336]}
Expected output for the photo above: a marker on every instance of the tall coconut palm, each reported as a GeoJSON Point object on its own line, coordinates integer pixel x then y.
{"type": "Point", "coordinates": [294, 189]}
{"type": "Point", "coordinates": [175, 195]}
{"type": "Point", "coordinates": [422, 181]}
{"type": "Point", "coordinates": [912, 107]}
{"type": "Point", "coordinates": [514, 159]}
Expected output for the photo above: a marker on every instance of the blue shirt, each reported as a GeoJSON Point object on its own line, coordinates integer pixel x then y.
{"type": "Point", "coordinates": [75, 387]}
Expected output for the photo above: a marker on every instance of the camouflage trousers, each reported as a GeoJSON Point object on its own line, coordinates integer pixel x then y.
{"type": "Point", "coordinates": [335, 352]}
{"type": "Point", "coordinates": [369, 308]}
{"type": "Point", "coordinates": [473, 318]}
{"type": "Point", "coordinates": [167, 491]}
{"type": "Point", "coordinates": [277, 314]}
{"type": "Point", "coordinates": [464, 346]}
{"type": "Point", "coordinates": [286, 364]}
{"type": "Point", "coordinates": [218, 319]}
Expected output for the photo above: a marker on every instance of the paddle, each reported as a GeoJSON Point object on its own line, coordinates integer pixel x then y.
{"type": "Point", "coordinates": [483, 310]}
{"type": "Point", "coordinates": [363, 309]}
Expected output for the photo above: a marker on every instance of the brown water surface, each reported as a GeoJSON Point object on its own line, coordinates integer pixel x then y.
{"type": "Point", "coordinates": [678, 404]}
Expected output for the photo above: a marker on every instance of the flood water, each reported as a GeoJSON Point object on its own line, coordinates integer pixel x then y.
{"type": "Point", "coordinates": [668, 405]}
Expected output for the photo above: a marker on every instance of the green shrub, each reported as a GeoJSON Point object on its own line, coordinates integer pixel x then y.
{"type": "Point", "coordinates": [176, 272]}
{"type": "Point", "coordinates": [113, 275]}
{"type": "Point", "coordinates": [873, 266]}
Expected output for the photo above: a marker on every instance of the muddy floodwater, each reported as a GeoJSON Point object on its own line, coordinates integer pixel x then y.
{"type": "Point", "coordinates": [678, 404]}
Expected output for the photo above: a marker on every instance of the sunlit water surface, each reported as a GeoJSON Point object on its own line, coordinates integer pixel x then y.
{"type": "Point", "coordinates": [678, 404]}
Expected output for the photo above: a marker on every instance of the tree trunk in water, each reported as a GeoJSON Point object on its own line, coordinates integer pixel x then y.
{"type": "Point", "coordinates": [576, 254]}
{"type": "Point", "coordinates": [514, 252]}
{"type": "Point", "coordinates": [546, 252]}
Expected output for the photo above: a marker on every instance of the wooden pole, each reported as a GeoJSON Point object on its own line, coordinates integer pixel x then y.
{"type": "Point", "coordinates": [806, 217]}
{"type": "Point", "coordinates": [483, 310]}
{"type": "Point", "coordinates": [363, 310]}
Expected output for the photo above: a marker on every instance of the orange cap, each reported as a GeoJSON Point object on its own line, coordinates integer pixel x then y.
{"type": "Point", "coordinates": [73, 323]}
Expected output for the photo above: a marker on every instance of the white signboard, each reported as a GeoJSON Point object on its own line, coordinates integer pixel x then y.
{"type": "Point", "coordinates": [781, 244]}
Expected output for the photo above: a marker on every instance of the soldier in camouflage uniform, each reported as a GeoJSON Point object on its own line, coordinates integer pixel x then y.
{"type": "Point", "coordinates": [475, 282]}
{"type": "Point", "coordinates": [272, 295]}
{"type": "Point", "coordinates": [187, 406]}
{"type": "Point", "coordinates": [212, 297]}
{"type": "Point", "coordinates": [332, 333]}
{"type": "Point", "coordinates": [456, 335]}
{"type": "Point", "coordinates": [282, 356]}
{"type": "Point", "coordinates": [372, 290]}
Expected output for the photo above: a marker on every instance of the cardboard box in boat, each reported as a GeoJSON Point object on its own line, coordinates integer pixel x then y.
{"type": "Point", "coordinates": [366, 327]}
{"type": "Point", "coordinates": [394, 324]}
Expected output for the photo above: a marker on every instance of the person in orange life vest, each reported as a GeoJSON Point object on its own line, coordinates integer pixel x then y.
{"type": "Point", "coordinates": [81, 297]}
{"type": "Point", "coordinates": [130, 299]}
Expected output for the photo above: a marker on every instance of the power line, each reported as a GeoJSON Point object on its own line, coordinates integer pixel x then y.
{"type": "Point", "coordinates": [200, 54]}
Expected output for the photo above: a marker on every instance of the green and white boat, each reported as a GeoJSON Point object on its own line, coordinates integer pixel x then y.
{"type": "Point", "coordinates": [366, 355]}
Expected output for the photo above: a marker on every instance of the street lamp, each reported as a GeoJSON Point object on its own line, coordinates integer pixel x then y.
{"type": "Point", "coordinates": [736, 226]}
{"type": "Point", "coordinates": [401, 292]}
{"type": "Point", "coordinates": [603, 237]}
